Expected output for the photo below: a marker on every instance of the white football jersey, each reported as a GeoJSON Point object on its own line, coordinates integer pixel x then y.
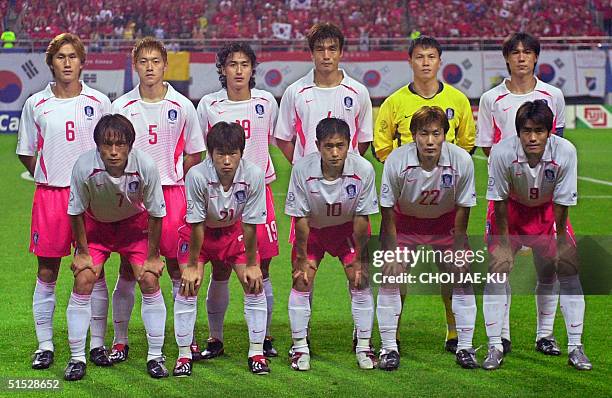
{"type": "Point", "coordinates": [554, 178]}
{"type": "Point", "coordinates": [498, 107]}
{"type": "Point", "coordinates": [415, 192]}
{"type": "Point", "coordinates": [328, 203]}
{"type": "Point", "coordinates": [257, 116]}
{"type": "Point", "coordinates": [207, 201]}
{"type": "Point", "coordinates": [111, 199]}
{"type": "Point", "coordinates": [58, 130]}
{"type": "Point", "coordinates": [303, 105]}
{"type": "Point", "coordinates": [165, 130]}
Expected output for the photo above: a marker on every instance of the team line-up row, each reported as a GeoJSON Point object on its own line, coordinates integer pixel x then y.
{"type": "Point", "coordinates": [104, 189]}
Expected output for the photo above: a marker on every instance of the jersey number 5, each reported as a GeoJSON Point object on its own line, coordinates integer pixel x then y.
{"type": "Point", "coordinates": [152, 134]}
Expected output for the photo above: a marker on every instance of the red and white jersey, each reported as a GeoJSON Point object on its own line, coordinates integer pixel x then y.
{"type": "Point", "coordinates": [58, 130]}
{"type": "Point", "coordinates": [554, 178]}
{"type": "Point", "coordinates": [498, 107]}
{"type": "Point", "coordinates": [257, 116]}
{"type": "Point", "coordinates": [328, 203]}
{"type": "Point", "coordinates": [208, 201]}
{"type": "Point", "coordinates": [111, 199]}
{"type": "Point", "coordinates": [165, 130]}
{"type": "Point", "coordinates": [304, 105]}
{"type": "Point", "coordinates": [415, 192]}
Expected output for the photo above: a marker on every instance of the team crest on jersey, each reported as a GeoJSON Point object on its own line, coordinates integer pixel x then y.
{"type": "Point", "coordinates": [172, 115]}
{"type": "Point", "coordinates": [89, 111]}
{"type": "Point", "coordinates": [447, 180]}
{"type": "Point", "coordinates": [133, 186]}
{"type": "Point", "coordinates": [259, 109]}
{"type": "Point", "coordinates": [184, 247]}
{"type": "Point", "coordinates": [351, 191]}
{"type": "Point", "coordinates": [549, 175]}
{"type": "Point", "coordinates": [450, 113]}
{"type": "Point", "coordinates": [348, 102]}
{"type": "Point", "coordinates": [240, 197]}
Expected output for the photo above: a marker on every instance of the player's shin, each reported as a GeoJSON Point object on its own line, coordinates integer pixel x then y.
{"type": "Point", "coordinates": [217, 300]}
{"type": "Point", "coordinates": [78, 316]}
{"type": "Point", "coordinates": [255, 314]}
{"type": "Point", "coordinates": [494, 305]}
{"type": "Point", "coordinates": [123, 303]}
{"type": "Point", "coordinates": [43, 307]}
{"type": "Point", "coordinates": [299, 317]}
{"type": "Point", "coordinates": [362, 307]}
{"type": "Point", "coordinates": [99, 313]}
{"type": "Point", "coordinates": [464, 310]}
{"type": "Point", "coordinates": [446, 293]}
{"type": "Point", "coordinates": [185, 312]}
{"type": "Point", "coordinates": [267, 285]}
{"type": "Point", "coordinates": [547, 298]}
{"type": "Point", "coordinates": [572, 306]}
{"type": "Point", "coordinates": [505, 332]}
{"type": "Point", "coordinates": [153, 313]}
{"type": "Point", "coordinates": [388, 308]}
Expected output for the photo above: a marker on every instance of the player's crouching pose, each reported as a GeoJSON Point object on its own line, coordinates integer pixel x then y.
{"type": "Point", "coordinates": [426, 194]}
{"type": "Point", "coordinates": [226, 199]}
{"type": "Point", "coordinates": [116, 205]}
{"type": "Point", "coordinates": [533, 180]}
{"type": "Point", "coordinates": [331, 194]}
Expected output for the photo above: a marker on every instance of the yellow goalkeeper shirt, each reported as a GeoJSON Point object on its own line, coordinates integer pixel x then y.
{"type": "Point", "coordinates": [392, 127]}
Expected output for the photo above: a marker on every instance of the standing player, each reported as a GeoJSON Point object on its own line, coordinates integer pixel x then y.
{"type": "Point", "coordinates": [426, 194]}
{"type": "Point", "coordinates": [532, 181]}
{"type": "Point", "coordinates": [255, 110]}
{"type": "Point", "coordinates": [331, 194]}
{"type": "Point", "coordinates": [226, 200]}
{"type": "Point", "coordinates": [394, 117]}
{"type": "Point", "coordinates": [326, 91]}
{"type": "Point", "coordinates": [116, 205]}
{"type": "Point", "coordinates": [167, 128]}
{"type": "Point", "coordinates": [496, 121]}
{"type": "Point", "coordinates": [56, 127]}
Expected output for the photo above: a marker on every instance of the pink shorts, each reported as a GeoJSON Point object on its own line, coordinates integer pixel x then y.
{"type": "Point", "coordinates": [528, 226]}
{"type": "Point", "coordinates": [50, 234]}
{"type": "Point", "coordinates": [436, 232]}
{"type": "Point", "coordinates": [128, 237]}
{"type": "Point", "coordinates": [176, 206]}
{"type": "Point", "coordinates": [220, 244]}
{"type": "Point", "coordinates": [337, 241]}
{"type": "Point", "coordinates": [267, 234]}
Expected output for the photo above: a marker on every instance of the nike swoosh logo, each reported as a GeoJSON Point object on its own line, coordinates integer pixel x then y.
{"type": "Point", "coordinates": [411, 180]}
{"type": "Point", "coordinates": [257, 331]}
{"type": "Point", "coordinates": [575, 326]}
{"type": "Point", "coordinates": [309, 101]}
{"type": "Point", "coordinates": [134, 114]}
{"type": "Point", "coordinates": [119, 322]}
{"type": "Point", "coordinates": [221, 112]}
{"type": "Point", "coordinates": [490, 324]}
{"type": "Point", "coordinates": [182, 335]}
{"type": "Point", "coordinates": [505, 109]}
{"type": "Point", "coordinates": [545, 313]}
{"type": "Point", "coordinates": [314, 191]}
{"type": "Point", "coordinates": [45, 112]}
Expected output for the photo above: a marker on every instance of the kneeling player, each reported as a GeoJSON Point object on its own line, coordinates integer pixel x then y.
{"type": "Point", "coordinates": [426, 194]}
{"type": "Point", "coordinates": [226, 199]}
{"type": "Point", "coordinates": [331, 194]}
{"type": "Point", "coordinates": [115, 198]}
{"type": "Point", "coordinates": [533, 180]}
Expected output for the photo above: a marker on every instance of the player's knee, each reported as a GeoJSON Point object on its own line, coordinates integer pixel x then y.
{"type": "Point", "coordinates": [48, 269]}
{"type": "Point", "coordinates": [302, 286]}
{"type": "Point", "coordinates": [221, 273]}
{"type": "Point", "coordinates": [84, 282]}
{"type": "Point", "coordinates": [265, 268]}
{"type": "Point", "coordinates": [149, 283]}
{"type": "Point", "coordinates": [173, 269]}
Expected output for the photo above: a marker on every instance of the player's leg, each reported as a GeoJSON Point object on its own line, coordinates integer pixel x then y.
{"type": "Point", "coordinates": [98, 353]}
{"type": "Point", "coordinates": [217, 301]}
{"type": "Point", "coordinates": [123, 303]}
{"type": "Point", "coordinates": [547, 298]}
{"type": "Point", "coordinates": [269, 350]}
{"type": "Point", "coordinates": [43, 308]}
{"type": "Point", "coordinates": [255, 314]}
{"type": "Point", "coordinates": [299, 314]}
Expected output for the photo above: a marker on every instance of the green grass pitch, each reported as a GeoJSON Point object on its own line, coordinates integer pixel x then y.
{"type": "Point", "coordinates": [425, 370]}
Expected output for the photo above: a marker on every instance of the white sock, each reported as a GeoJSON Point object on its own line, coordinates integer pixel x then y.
{"type": "Point", "coordinates": [43, 307]}
{"type": "Point", "coordinates": [255, 314]}
{"type": "Point", "coordinates": [493, 308]}
{"type": "Point", "coordinates": [299, 317]}
{"type": "Point", "coordinates": [269, 303]}
{"type": "Point", "coordinates": [505, 332]}
{"type": "Point", "coordinates": [78, 315]}
{"type": "Point", "coordinates": [547, 298]}
{"type": "Point", "coordinates": [464, 310]}
{"type": "Point", "coordinates": [572, 307]}
{"type": "Point", "coordinates": [123, 303]}
{"type": "Point", "coordinates": [362, 307]}
{"type": "Point", "coordinates": [388, 309]}
{"type": "Point", "coordinates": [153, 313]}
{"type": "Point", "coordinates": [99, 314]}
{"type": "Point", "coordinates": [217, 300]}
{"type": "Point", "coordinates": [185, 311]}
{"type": "Point", "coordinates": [176, 285]}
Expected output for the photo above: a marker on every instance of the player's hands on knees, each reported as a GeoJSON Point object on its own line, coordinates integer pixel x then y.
{"type": "Point", "coordinates": [357, 272]}
{"type": "Point", "coordinates": [503, 259]}
{"type": "Point", "coordinates": [191, 278]}
{"type": "Point", "coordinates": [300, 271]}
{"type": "Point", "coordinates": [81, 262]}
{"type": "Point", "coordinates": [154, 265]}
{"type": "Point", "coordinates": [253, 278]}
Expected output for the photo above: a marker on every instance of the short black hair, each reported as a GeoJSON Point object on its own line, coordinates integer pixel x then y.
{"type": "Point", "coordinates": [225, 137]}
{"type": "Point", "coordinates": [116, 123]}
{"type": "Point", "coordinates": [537, 112]}
{"type": "Point", "coordinates": [511, 42]}
{"type": "Point", "coordinates": [229, 49]}
{"type": "Point", "coordinates": [332, 126]}
{"type": "Point", "coordinates": [425, 42]}
{"type": "Point", "coordinates": [427, 115]}
{"type": "Point", "coordinates": [322, 31]}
